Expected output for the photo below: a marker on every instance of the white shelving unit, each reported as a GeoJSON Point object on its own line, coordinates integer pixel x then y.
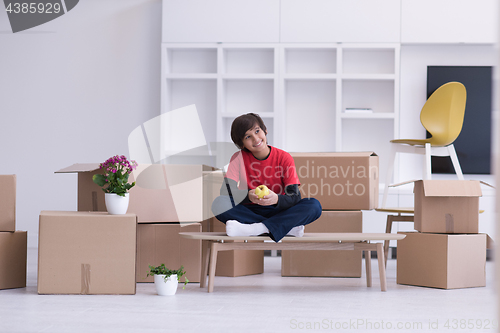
{"type": "Point", "coordinates": [300, 90]}
{"type": "Point", "coordinates": [320, 81]}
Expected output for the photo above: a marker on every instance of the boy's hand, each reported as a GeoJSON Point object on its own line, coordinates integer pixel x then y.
{"type": "Point", "coordinates": [267, 200]}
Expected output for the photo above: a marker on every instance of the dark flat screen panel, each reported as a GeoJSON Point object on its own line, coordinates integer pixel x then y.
{"type": "Point", "coordinates": [473, 145]}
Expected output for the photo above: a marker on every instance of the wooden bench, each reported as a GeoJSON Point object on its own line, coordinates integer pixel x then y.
{"type": "Point", "coordinates": [213, 242]}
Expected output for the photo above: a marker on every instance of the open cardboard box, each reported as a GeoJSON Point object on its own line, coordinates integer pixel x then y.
{"type": "Point", "coordinates": [446, 206]}
{"type": "Point", "coordinates": [326, 263]}
{"type": "Point", "coordinates": [163, 192]}
{"type": "Point", "coordinates": [340, 181]}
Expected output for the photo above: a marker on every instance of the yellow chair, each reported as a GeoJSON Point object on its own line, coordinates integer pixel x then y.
{"type": "Point", "coordinates": [442, 116]}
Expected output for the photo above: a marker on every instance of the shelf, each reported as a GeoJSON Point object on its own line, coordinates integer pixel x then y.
{"type": "Point", "coordinates": [247, 60]}
{"type": "Point", "coordinates": [202, 93]}
{"type": "Point", "coordinates": [245, 95]}
{"type": "Point", "coordinates": [191, 60]}
{"type": "Point", "coordinates": [310, 76]}
{"type": "Point", "coordinates": [310, 115]}
{"type": "Point", "coordinates": [369, 60]}
{"type": "Point", "coordinates": [310, 60]}
{"type": "Point", "coordinates": [368, 77]}
{"type": "Point", "coordinates": [377, 95]}
{"type": "Point", "coordinates": [247, 76]}
{"type": "Point", "coordinates": [193, 76]}
{"type": "Point", "coordinates": [380, 115]}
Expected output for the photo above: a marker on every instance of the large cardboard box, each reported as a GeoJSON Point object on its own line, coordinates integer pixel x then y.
{"type": "Point", "coordinates": [7, 202]}
{"type": "Point", "coordinates": [163, 192]}
{"type": "Point", "coordinates": [340, 181]}
{"type": "Point", "coordinates": [447, 206]}
{"type": "Point", "coordinates": [445, 261]}
{"type": "Point", "coordinates": [13, 251]}
{"type": "Point", "coordinates": [161, 244]}
{"type": "Point", "coordinates": [86, 253]}
{"type": "Point", "coordinates": [237, 262]}
{"type": "Point", "coordinates": [326, 263]}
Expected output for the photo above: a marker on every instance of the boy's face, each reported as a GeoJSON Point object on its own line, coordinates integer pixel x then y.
{"type": "Point", "coordinates": [255, 141]}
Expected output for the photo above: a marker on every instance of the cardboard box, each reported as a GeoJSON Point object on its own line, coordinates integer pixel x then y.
{"type": "Point", "coordinates": [86, 253]}
{"type": "Point", "coordinates": [447, 206]}
{"type": "Point", "coordinates": [237, 262]}
{"type": "Point", "coordinates": [340, 181]}
{"type": "Point", "coordinates": [161, 244]}
{"type": "Point", "coordinates": [7, 203]}
{"type": "Point", "coordinates": [445, 261]}
{"type": "Point", "coordinates": [163, 193]}
{"type": "Point", "coordinates": [326, 263]}
{"type": "Point", "coordinates": [13, 252]}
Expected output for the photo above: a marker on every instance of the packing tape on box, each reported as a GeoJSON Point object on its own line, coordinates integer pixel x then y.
{"type": "Point", "coordinates": [85, 279]}
{"type": "Point", "coordinates": [450, 224]}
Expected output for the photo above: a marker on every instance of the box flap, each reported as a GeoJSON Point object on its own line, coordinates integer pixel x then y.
{"type": "Point", "coordinates": [79, 167]}
{"type": "Point", "coordinates": [452, 188]}
{"type": "Point", "coordinates": [490, 243]}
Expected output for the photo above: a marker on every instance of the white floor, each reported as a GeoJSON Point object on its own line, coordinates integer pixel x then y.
{"type": "Point", "coordinates": [259, 303]}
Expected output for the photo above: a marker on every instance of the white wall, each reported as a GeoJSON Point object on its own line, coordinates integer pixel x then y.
{"type": "Point", "coordinates": [72, 90]}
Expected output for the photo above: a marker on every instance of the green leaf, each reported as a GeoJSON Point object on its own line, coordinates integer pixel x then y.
{"type": "Point", "coordinates": [99, 179]}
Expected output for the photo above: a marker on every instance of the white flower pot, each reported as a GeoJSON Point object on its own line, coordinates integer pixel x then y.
{"type": "Point", "coordinates": [165, 288]}
{"type": "Point", "coordinates": [116, 204]}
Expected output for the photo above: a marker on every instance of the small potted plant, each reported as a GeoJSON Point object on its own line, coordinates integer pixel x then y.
{"type": "Point", "coordinates": [114, 182]}
{"type": "Point", "coordinates": [166, 280]}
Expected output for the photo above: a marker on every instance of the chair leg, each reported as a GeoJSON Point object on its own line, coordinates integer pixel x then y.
{"type": "Point", "coordinates": [368, 263]}
{"type": "Point", "coordinates": [388, 230]}
{"type": "Point", "coordinates": [427, 164]}
{"type": "Point", "coordinates": [388, 177]}
{"type": "Point", "coordinates": [456, 163]}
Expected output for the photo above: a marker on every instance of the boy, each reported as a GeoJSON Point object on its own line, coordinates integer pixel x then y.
{"type": "Point", "coordinates": [281, 212]}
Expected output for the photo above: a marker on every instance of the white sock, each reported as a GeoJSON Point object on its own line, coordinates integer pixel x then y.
{"type": "Point", "coordinates": [297, 231]}
{"type": "Point", "coordinates": [235, 228]}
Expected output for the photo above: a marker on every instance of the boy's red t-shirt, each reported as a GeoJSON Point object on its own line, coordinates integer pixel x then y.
{"type": "Point", "coordinates": [277, 171]}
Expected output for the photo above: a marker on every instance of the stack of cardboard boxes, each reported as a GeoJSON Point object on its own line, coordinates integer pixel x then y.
{"type": "Point", "coordinates": [167, 199]}
{"type": "Point", "coordinates": [345, 184]}
{"type": "Point", "coordinates": [13, 244]}
{"type": "Point", "coordinates": [446, 251]}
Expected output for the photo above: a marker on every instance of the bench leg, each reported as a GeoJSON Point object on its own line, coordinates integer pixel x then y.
{"type": "Point", "coordinates": [368, 263]}
{"type": "Point", "coordinates": [205, 250]}
{"type": "Point", "coordinates": [381, 267]}
{"type": "Point", "coordinates": [388, 230]}
{"type": "Point", "coordinates": [213, 265]}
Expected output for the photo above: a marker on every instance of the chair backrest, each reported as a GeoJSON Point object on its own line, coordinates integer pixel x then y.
{"type": "Point", "coordinates": [443, 113]}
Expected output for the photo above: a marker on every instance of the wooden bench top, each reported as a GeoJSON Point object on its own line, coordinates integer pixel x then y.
{"type": "Point", "coordinates": [308, 237]}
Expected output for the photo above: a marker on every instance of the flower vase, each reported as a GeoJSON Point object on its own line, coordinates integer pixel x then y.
{"type": "Point", "coordinates": [116, 204]}
{"type": "Point", "coordinates": [166, 288]}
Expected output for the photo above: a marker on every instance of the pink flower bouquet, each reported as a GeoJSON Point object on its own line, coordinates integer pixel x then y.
{"type": "Point", "coordinates": [115, 177]}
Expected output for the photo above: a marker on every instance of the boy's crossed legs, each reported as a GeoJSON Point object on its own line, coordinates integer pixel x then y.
{"type": "Point", "coordinates": [253, 220]}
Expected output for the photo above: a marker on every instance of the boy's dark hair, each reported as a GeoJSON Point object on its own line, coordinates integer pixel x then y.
{"type": "Point", "coordinates": [242, 124]}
